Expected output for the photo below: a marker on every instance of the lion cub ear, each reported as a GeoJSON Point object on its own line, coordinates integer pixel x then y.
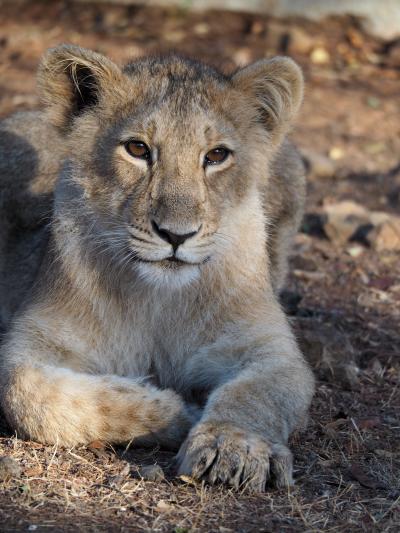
{"type": "Point", "coordinates": [276, 86]}
{"type": "Point", "coordinates": [73, 80]}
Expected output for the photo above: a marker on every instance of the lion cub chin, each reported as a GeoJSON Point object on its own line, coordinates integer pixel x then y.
{"type": "Point", "coordinates": [148, 213]}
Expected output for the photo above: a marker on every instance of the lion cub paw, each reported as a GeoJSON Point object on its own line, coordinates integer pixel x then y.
{"type": "Point", "coordinates": [223, 453]}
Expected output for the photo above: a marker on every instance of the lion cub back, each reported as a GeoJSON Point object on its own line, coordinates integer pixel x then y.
{"type": "Point", "coordinates": [30, 154]}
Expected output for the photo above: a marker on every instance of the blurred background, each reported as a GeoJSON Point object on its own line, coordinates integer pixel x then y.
{"type": "Point", "coordinates": [343, 294]}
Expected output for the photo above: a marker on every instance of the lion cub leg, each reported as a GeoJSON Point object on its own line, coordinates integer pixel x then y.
{"type": "Point", "coordinates": [57, 405]}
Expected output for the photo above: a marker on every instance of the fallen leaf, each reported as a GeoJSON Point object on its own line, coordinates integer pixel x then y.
{"type": "Point", "coordinates": [368, 423]}
{"type": "Point", "coordinates": [187, 479]}
{"type": "Point", "coordinates": [34, 471]}
{"type": "Point", "coordinates": [332, 428]}
{"type": "Point", "coordinates": [96, 445]}
{"type": "Point", "coordinates": [163, 506]}
{"type": "Point", "coordinates": [359, 473]}
{"type": "Point", "coordinates": [35, 445]}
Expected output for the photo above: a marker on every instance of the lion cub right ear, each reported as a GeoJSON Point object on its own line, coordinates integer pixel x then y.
{"type": "Point", "coordinates": [73, 80]}
{"type": "Point", "coordinates": [275, 86]}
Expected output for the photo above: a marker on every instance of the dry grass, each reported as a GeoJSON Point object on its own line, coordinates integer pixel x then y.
{"type": "Point", "coordinates": [346, 480]}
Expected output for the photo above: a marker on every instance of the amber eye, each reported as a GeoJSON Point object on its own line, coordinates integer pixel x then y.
{"type": "Point", "coordinates": [138, 149]}
{"type": "Point", "coordinates": [216, 156]}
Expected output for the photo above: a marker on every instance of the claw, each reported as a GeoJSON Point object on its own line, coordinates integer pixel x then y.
{"type": "Point", "coordinates": [226, 454]}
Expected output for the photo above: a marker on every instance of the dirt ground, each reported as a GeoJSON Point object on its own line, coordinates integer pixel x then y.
{"type": "Point", "coordinates": [343, 296]}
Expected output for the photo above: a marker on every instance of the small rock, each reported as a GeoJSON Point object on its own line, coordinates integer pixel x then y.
{"type": "Point", "coordinates": [152, 473]}
{"type": "Point", "coordinates": [386, 236]}
{"type": "Point", "coordinates": [300, 42]}
{"type": "Point", "coordinates": [344, 220]}
{"type": "Point", "coordinates": [175, 36]}
{"type": "Point", "coordinates": [379, 217]}
{"type": "Point", "coordinates": [336, 153]}
{"type": "Point", "coordinates": [320, 165]}
{"type": "Point", "coordinates": [308, 276]}
{"type": "Point", "coordinates": [356, 250]}
{"type": "Point", "coordinates": [202, 28]}
{"type": "Point", "coordinates": [242, 57]}
{"type": "Point", "coordinates": [320, 56]}
{"type": "Point", "coordinates": [121, 477]}
{"type": "Point", "coordinates": [9, 468]}
{"type": "Point", "coordinates": [257, 28]}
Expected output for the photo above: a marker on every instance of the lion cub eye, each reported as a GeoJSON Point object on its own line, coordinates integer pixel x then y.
{"type": "Point", "coordinates": [216, 156]}
{"type": "Point", "coordinates": [138, 149]}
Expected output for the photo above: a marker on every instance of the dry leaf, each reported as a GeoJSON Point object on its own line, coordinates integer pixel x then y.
{"type": "Point", "coordinates": [164, 507]}
{"type": "Point", "coordinates": [359, 473]}
{"type": "Point", "coordinates": [96, 445]}
{"type": "Point", "coordinates": [34, 471]}
{"type": "Point", "coordinates": [368, 423]}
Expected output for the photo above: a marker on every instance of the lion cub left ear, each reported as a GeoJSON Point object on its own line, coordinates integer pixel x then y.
{"type": "Point", "coordinates": [73, 80]}
{"type": "Point", "coordinates": [276, 87]}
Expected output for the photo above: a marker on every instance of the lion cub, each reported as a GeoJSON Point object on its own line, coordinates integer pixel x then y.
{"type": "Point", "coordinates": [147, 218]}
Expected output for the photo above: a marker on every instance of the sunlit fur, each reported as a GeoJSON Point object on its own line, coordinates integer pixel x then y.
{"type": "Point", "coordinates": [108, 335]}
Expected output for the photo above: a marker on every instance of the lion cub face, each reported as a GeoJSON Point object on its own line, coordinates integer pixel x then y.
{"type": "Point", "coordinates": [166, 154]}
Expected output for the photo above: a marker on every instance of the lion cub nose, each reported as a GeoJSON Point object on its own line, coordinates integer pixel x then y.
{"type": "Point", "coordinates": [173, 238]}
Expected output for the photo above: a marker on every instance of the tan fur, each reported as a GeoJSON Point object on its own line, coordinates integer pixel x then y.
{"type": "Point", "coordinates": [111, 340]}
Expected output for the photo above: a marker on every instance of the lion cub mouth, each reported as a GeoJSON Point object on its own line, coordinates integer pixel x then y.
{"type": "Point", "coordinates": [174, 259]}
{"type": "Point", "coordinates": [174, 263]}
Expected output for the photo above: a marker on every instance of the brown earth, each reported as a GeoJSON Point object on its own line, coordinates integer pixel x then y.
{"type": "Point", "coordinates": [344, 297]}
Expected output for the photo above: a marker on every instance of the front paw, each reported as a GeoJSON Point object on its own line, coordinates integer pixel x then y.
{"type": "Point", "coordinates": [223, 453]}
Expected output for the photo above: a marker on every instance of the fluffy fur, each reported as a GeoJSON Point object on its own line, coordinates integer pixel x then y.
{"type": "Point", "coordinates": [106, 336]}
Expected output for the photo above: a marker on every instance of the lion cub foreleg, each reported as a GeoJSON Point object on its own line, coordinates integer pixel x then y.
{"type": "Point", "coordinates": [241, 439]}
{"type": "Point", "coordinates": [57, 405]}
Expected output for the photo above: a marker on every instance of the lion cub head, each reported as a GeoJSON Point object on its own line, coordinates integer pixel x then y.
{"type": "Point", "coordinates": [165, 155]}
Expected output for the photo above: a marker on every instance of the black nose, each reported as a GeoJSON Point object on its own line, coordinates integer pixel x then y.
{"type": "Point", "coordinates": [172, 238]}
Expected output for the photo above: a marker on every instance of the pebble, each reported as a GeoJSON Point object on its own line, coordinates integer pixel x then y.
{"type": "Point", "coordinates": [320, 165]}
{"type": "Point", "coordinates": [201, 28]}
{"type": "Point", "coordinates": [152, 473]}
{"type": "Point", "coordinates": [336, 153]}
{"type": "Point", "coordinates": [320, 56]}
{"type": "Point", "coordinates": [343, 220]}
{"type": "Point", "coordinates": [300, 42]}
{"type": "Point", "coordinates": [9, 468]}
{"type": "Point", "coordinates": [386, 236]}
{"type": "Point", "coordinates": [242, 57]}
